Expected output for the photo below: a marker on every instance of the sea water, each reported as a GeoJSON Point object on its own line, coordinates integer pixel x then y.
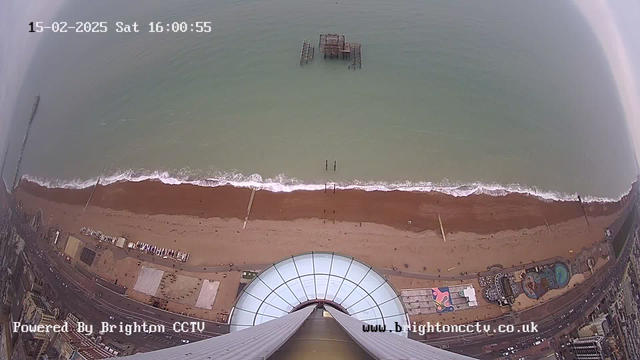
{"type": "Point", "coordinates": [453, 96]}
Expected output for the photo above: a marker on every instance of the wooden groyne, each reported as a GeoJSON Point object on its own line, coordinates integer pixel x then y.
{"type": "Point", "coordinates": [307, 53]}
{"type": "Point", "coordinates": [24, 142]}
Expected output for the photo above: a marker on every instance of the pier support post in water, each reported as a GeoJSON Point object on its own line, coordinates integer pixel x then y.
{"type": "Point", "coordinates": [335, 164]}
{"type": "Point", "coordinates": [444, 237]}
{"type": "Point", "coordinates": [326, 165]}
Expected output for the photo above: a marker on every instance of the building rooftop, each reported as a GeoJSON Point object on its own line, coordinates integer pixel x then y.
{"type": "Point", "coordinates": [40, 304]}
{"type": "Point", "coordinates": [343, 282]}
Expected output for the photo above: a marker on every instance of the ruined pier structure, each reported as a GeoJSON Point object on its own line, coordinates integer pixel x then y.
{"type": "Point", "coordinates": [307, 53]}
{"type": "Point", "coordinates": [336, 46]}
{"type": "Point", "coordinates": [333, 46]}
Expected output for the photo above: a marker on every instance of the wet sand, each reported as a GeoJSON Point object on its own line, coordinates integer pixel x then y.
{"type": "Point", "coordinates": [480, 214]}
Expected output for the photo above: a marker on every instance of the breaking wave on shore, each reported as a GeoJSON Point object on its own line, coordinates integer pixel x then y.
{"type": "Point", "coordinates": [282, 183]}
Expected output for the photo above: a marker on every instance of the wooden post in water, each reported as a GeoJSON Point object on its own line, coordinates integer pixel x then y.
{"type": "Point", "coordinates": [334, 165]}
{"type": "Point", "coordinates": [326, 165]}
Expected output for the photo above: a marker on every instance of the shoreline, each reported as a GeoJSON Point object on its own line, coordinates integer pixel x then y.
{"type": "Point", "coordinates": [282, 183]}
{"type": "Point", "coordinates": [413, 211]}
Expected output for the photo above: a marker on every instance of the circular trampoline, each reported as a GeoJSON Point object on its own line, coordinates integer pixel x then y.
{"type": "Point", "coordinates": [340, 281]}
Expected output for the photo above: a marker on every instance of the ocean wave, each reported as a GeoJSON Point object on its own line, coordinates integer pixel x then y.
{"type": "Point", "coordinates": [283, 183]}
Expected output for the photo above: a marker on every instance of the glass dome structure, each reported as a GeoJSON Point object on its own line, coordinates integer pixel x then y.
{"type": "Point", "coordinates": [340, 281]}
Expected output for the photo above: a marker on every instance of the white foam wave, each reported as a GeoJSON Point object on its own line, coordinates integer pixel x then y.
{"type": "Point", "coordinates": [282, 183]}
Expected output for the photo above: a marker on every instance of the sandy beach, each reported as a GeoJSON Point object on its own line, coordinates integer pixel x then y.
{"type": "Point", "coordinates": [208, 222]}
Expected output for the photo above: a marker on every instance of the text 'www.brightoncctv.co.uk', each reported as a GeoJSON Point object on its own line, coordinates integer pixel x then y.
{"type": "Point", "coordinates": [428, 327]}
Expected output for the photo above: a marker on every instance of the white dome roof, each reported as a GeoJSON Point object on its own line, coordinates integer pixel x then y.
{"type": "Point", "coordinates": [342, 281]}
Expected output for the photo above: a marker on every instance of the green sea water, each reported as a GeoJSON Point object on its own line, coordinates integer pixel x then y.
{"type": "Point", "coordinates": [451, 93]}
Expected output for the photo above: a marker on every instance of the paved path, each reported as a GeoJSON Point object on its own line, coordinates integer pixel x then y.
{"type": "Point", "coordinates": [120, 254]}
